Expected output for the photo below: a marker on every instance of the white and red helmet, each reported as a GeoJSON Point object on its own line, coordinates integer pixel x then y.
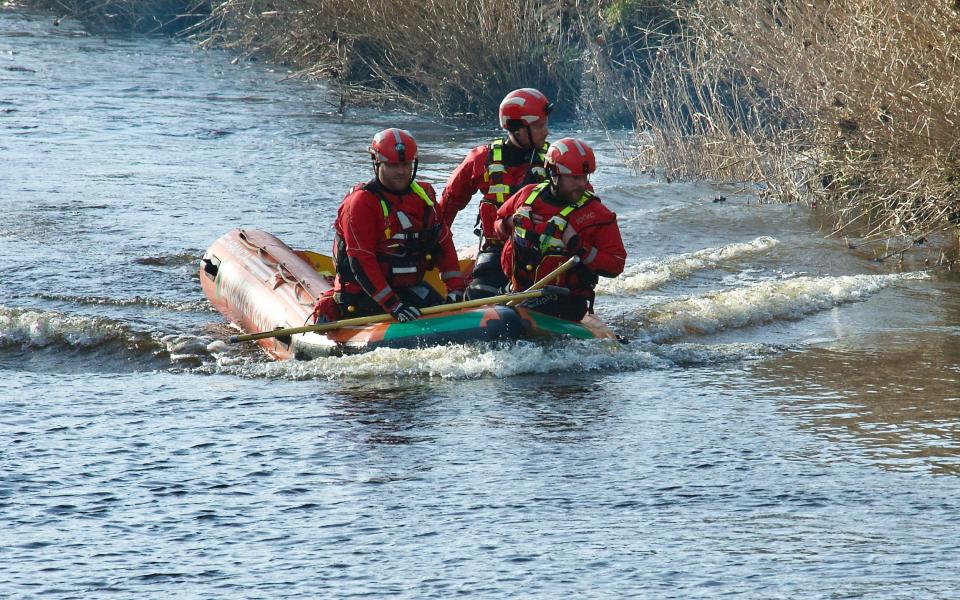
{"type": "Point", "coordinates": [393, 146]}
{"type": "Point", "coordinates": [570, 156]}
{"type": "Point", "coordinates": [523, 107]}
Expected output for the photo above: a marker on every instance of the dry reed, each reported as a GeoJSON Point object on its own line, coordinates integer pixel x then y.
{"type": "Point", "coordinates": [853, 104]}
{"type": "Point", "coordinates": [620, 39]}
{"type": "Point", "coordinates": [443, 56]}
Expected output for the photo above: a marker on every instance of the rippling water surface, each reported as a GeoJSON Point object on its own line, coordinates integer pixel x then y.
{"type": "Point", "coordinates": [783, 422]}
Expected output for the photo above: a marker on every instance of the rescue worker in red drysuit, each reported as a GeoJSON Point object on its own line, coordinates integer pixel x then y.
{"type": "Point", "coordinates": [547, 223]}
{"type": "Point", "coordinates": [388, 235]}
{"type": "Point", "coordinates": [497, 170]}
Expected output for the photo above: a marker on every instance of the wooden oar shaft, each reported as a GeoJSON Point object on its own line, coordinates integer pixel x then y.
{"type": "Point", "coordinates": [321, 327]}
{"type": "Point", "coordinates": [539, 285]}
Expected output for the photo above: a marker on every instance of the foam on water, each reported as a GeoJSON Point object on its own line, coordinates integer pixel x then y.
{"type": "Point", "coordinates": [178, 306]}
{"type": "Point", "coordinates": [174, 260]}
{"type": "Point", "coordinates": [652, 329]}
{"type": "Point", "coordinates": [48, 330]}
{"type": "Point", "coordinates": [472, 361]}
{"type": "Point", "coordinates": [40, 329]}
{"type": "Point", "coordinates": [760, 303]}
{"type": "Point", "coordinates": [653, 273]}
{"type": "Point", "coordinates": [689, 355]}
{"type": "Point", "coordinates": [459, 361]}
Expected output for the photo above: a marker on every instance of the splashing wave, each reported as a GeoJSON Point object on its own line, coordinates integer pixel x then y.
{"type": "Point", "coordinates": [178, 306]}
{"type": "Point", "coordinates": [472, 361]}
{"type": "Point", "coordinates": [651, 274]}
{"type": "Point", "coordinates": [32, 330]}
{"type": "Point", "coordinates": [761, 303]}
{"type": "Point", "coordinates": [174, 260]}
{"type": "Point", "coordinates": [40, 329]}
{"type": "Point", "coordinates": [457, 361]}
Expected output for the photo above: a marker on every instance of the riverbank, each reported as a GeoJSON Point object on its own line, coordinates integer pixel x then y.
{"type": "Point", "coordinates": [850, 109]}
{"type": "Point", "coordinates": [849, 106]}
{"type": "Point", "coordinates": [451, 59]}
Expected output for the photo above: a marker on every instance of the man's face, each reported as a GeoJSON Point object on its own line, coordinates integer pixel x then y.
{"type": "Point", "coordinates": [396, 177]}
{"type": "Point", "coordinates": [569, 188]}
{"type": "Point", "coordinates": [537, 130]}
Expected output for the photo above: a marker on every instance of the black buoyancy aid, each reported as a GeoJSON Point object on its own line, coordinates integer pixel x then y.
{"type": "Point", "coordinates": [409, 251]}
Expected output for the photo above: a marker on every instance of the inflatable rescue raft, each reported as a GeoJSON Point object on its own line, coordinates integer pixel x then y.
{"type": "Point", "coordinates": [260, 284]}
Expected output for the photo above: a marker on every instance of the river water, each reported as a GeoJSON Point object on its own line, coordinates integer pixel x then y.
{"type": "Point", "coordinates": [783, 422]}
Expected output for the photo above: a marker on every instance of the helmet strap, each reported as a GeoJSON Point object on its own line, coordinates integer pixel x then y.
{"type": "Point", "coordinates": [554, 179]}
{"type": "Point", "coordinates": [534, 155]}
{"type": "Point", "coordinates": [529, 136]}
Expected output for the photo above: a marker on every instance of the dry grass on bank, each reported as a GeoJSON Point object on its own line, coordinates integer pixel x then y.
{"type": "Point", "coordinates": [443, 56]}
{"type": "Point", "coordinates": [854, 104]}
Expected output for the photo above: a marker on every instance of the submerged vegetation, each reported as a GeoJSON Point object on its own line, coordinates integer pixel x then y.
{"type": "Point", "coordinates": [851, 105]}
{"type": "Point", "coordinates": [144, 16]}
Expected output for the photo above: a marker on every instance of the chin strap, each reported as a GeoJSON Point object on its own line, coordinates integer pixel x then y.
{"type": "Point", "coordinates": [554, 179]}
{"type": "Point", "coordinates": [533, 149]}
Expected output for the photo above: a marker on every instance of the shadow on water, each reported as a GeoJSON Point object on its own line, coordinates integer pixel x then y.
{"type": "Point", "coordinates": [568, 409]}
{"type": "Point", "coordinates": [900, 407]}
{"type": "Point", "coordinates": [561, 411]}
{"type": "Point", "coordinates": [389, 413]}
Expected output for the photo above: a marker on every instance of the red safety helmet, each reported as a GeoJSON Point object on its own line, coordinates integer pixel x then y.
{"type": "Point", "coordinates": [393, 146]}
{"type": "Point", "coordinates": [523, 107]}
{"type": "Point", "coordinates": [570, 156]}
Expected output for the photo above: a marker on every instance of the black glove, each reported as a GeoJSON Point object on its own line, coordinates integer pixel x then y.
{"type": "Point", "coordinates": [454, 296]}
{"type": "Point", "coordinates": [404, 312]}
{"type": "Point", "coordinates": [571, 240]}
